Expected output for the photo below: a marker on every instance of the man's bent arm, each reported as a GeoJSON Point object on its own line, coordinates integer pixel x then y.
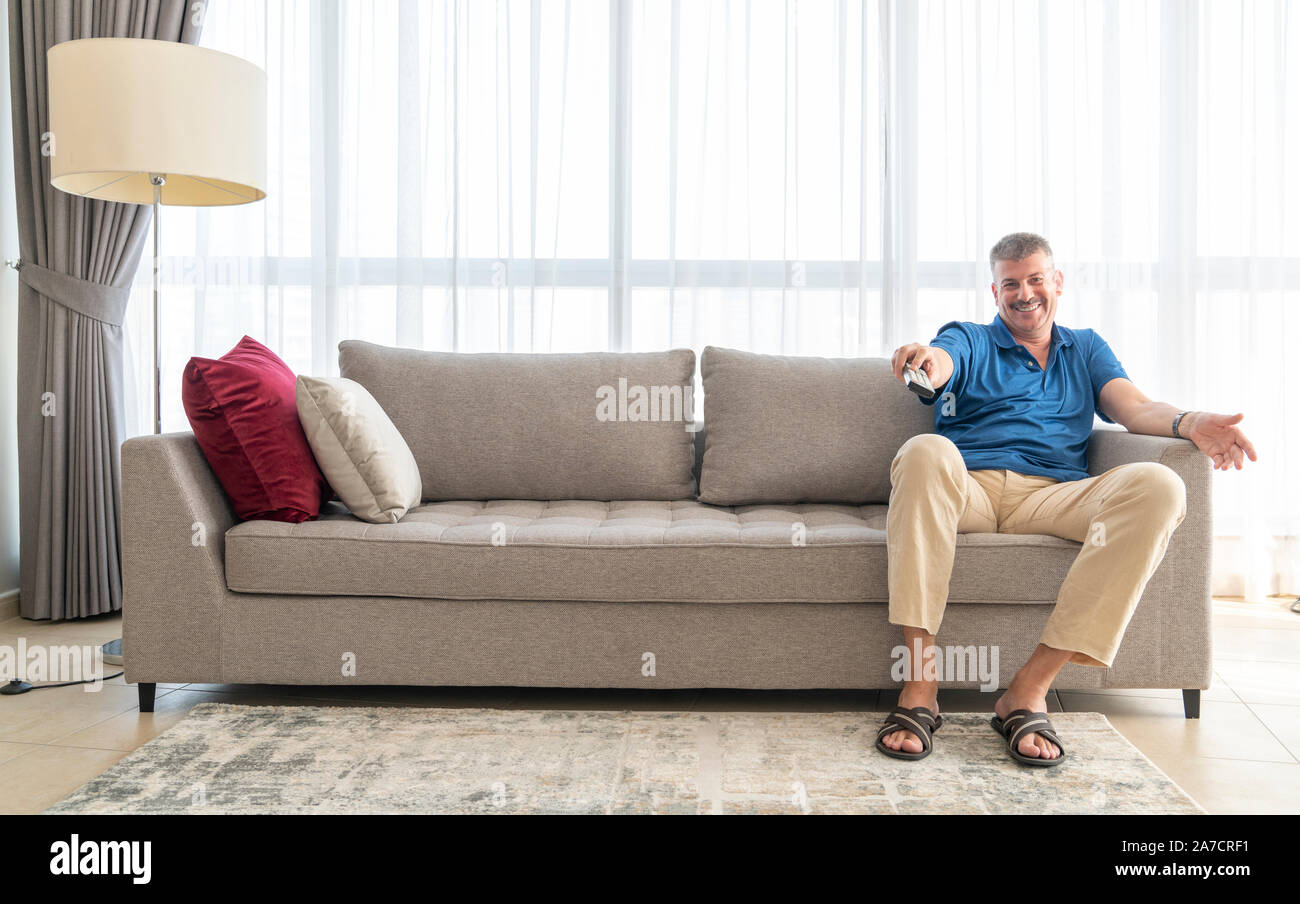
{"type": "Point", "coordinates": [1217, 435]}
{"type": "Point", "coordinates": [943, 367]}
{"type": "Point", "coordinates": [1126, 405]}
{"type": "Point", "coordinates": [1157, 419]}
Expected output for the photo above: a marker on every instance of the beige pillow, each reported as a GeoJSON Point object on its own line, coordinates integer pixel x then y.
{"type": "Point", "coordinates": [359, 451]}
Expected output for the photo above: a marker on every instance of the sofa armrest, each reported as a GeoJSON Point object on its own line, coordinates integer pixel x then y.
{"type": "Point", "coordinates": [174, 521]}
{"type": "Point", "coordinates": [1177, 597]}
{"type": "Point", "coordinates": [1112, 446]}
{"type": "Point", "coordinates": [1109, 448]}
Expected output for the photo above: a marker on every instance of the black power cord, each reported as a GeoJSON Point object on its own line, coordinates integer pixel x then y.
{"type": "Point", "coordinates": [21, 687]}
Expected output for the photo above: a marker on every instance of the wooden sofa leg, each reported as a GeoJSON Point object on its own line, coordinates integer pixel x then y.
{"type": "Point", "coordinates": [146, 696]}
{"type": "Point", "coordinates": [1191, 703]}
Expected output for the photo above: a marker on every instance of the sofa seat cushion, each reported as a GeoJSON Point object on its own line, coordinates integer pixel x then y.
{"type": "Point", "coordinates": [682, 551]}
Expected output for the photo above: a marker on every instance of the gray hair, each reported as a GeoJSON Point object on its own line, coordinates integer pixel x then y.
{"type": "Point", "coordinates": [1019, 245]}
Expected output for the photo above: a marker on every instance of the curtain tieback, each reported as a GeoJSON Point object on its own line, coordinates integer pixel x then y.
{"type": "Point", "coordinates": [92, 299]}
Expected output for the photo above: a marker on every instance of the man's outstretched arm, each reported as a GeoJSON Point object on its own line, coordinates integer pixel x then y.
{"type": "Point", "coordinates": [1217, 435]}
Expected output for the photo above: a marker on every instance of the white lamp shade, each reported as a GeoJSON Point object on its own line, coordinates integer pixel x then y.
{"type": "Point", "coordinates": [124, 108]}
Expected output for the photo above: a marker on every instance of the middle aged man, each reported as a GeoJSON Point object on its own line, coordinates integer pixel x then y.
{"type": "Point", "coordinates": [1009, 455]}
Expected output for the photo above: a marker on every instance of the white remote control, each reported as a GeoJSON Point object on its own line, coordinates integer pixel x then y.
{"type": "Point", "coordinates": [918, 381]}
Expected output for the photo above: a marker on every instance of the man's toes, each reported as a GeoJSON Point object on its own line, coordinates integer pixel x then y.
{"type": "Point", "coordinates": [1033, 745]}
{"type": "Point", "coordinates": [902, 740]}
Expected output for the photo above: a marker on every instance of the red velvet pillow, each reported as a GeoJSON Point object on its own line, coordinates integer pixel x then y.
{"type": "Point", "coordinates": [242, 409]}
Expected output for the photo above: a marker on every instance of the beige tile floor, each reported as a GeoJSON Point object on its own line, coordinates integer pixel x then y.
{"type": "Point", "coordinates": [1241, 756]}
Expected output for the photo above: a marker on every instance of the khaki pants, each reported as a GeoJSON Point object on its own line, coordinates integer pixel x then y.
{"type": "Point", "coordinates": [1123, 518]}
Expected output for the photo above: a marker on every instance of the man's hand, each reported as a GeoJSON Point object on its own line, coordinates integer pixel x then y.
{"type": "Point", "coordinates": [1218, 436]}
{"type": "Point", "coordinates": [934, 361]}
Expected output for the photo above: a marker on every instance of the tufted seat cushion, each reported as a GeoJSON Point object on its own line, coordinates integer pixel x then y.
{"type": "Point", "coordinates": [681, 551]}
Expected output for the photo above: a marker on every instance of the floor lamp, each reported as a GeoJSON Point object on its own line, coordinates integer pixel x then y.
{"type": "Point", "coordinates": [155, 122]}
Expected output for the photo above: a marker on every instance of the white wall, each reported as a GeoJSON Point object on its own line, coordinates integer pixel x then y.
{"type": "Point", "coordinates": [9, 576]}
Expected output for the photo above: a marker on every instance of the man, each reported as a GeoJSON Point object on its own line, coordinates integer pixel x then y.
{"type": "Point", "coordinates": [1016, 399]}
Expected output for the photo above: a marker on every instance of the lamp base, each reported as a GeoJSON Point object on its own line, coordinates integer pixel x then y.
{"type": "Point", "coordinates": [112, 652]}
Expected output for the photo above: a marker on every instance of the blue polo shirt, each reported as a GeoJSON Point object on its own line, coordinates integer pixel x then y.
{"type": "Point", "coordinates": [1002, 410]}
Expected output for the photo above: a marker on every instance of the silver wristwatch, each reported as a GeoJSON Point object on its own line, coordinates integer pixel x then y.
{"type": "Point", "coordinates": [1176, 422]}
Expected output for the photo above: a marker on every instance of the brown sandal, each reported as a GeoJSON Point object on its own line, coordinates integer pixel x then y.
{"type": "Point", "coordinates": [1021, 722]}
{"type": "Point", "coordinates": [920, 721]}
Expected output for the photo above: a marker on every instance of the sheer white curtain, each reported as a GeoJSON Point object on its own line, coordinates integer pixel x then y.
{"type": "Point", "coordinates": [805, 177]}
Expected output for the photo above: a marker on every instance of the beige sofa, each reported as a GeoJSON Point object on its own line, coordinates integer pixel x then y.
{"type": "Point", "coordinates": [496, 579]}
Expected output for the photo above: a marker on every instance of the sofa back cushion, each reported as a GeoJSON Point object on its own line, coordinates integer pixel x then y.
{"type": "Point", "coordinates": [602, 426]}
{"type": "Point", "coordinates": [783, 429]}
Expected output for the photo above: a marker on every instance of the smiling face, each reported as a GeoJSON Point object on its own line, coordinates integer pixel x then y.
{"type": "Point", "coordinates": [1026, 292]}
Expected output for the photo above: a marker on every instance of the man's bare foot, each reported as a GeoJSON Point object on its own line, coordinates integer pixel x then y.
{"type": "Point", "coordinates": [914, 694]}
{"type": "Point", "coordinates": [1030, 744]}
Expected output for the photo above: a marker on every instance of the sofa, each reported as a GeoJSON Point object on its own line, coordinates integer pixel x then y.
{"type": "Point", "coordinates": [567, 538]}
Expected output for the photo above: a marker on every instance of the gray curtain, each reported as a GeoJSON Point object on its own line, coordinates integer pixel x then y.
{"type": "Point", "coordinates": [78, 259]}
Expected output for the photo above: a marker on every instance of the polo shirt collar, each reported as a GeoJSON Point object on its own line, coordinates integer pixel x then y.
{"type": "Point", "coordinates": [1002, 336]}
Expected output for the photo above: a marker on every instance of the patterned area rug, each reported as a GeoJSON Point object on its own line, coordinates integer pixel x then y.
{"type": "Point", "coordinates": [226, 758]}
